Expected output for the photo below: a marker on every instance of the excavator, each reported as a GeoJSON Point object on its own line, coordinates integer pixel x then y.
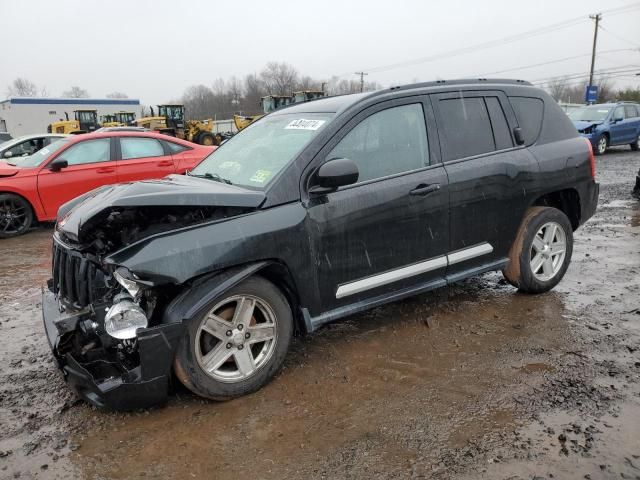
{"type": "Point", "coordinates": [274, 102]}
{"type": "Point", "coordinates": [85, 121]}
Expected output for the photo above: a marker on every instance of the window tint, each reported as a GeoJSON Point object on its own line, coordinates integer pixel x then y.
{"type": "Point", "coordinates": [529, 115]}
{"type": "Point", "coordinates": [388, 142]}
{"type": "Point", "coordinates": [176, 148]}
{"type": "Point", "coordinates": [136, 147]}
{"type": "Point", "coordinates": [618, 113]}
{"type": "Point", "coordinates": [465, 127]}
{"type": "Point", "coordinates": [90, 151]}
{"type": "Point", "coordinates": [501, 133]}
{"type": "Point", "coordinates": [26, 148]}
{"type": "Point", "coordinates": [630, 111]}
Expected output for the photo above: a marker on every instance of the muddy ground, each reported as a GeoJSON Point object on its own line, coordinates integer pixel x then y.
{"type": "Point", "coordinates": [471, 381]}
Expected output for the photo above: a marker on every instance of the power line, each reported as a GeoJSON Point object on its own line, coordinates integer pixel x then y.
{"type": "Point", "coordinates": [533, 65]}
{"type": "Point", "coordinates": [362, 74]}
{"type": "Point", "coordinates": [636, 45]}
{"type": "Point", "coordinates": [499, 42]}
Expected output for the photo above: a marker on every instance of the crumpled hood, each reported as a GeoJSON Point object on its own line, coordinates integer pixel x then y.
{"type": "Point", "coordinates": [7, 170]}
{"type": "Point", "coordinates": [581, 125]}
{"type": "Point", "coordinates": [172, 191]}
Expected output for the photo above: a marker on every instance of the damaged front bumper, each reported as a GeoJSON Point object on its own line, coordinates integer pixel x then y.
{"type": "Point", "coordinates": [107, 382]}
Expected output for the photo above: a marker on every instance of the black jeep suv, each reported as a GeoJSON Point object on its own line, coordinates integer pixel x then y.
{"type": "Point", "coordinates": [312, 213]}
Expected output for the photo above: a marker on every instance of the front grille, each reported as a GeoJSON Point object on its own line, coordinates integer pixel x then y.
{"type": "Point", "coordinates": [77, 280]}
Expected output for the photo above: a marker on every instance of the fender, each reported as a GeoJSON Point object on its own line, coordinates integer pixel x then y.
{"type": "Point", "coordinates": [204, 291]}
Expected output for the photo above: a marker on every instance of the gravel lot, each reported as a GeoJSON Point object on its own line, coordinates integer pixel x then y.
{"type": "Point", "coordinates": [471, 381]}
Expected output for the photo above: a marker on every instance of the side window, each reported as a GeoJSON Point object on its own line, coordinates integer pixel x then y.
{"type": "Point", "coordinates": [630, 111]}
{"type": "Point", "coordinates": [175, 147]}
{"type": "Point", "coordinates": [388, 142]}
{"type": "Point", "coordinates": [90, 151]}
{"type": "Point", "coordinates": [501, 133]}
{"type": "Point", "coordinates": [24, 149]}
{"type": "Point", "coordinates": [529, 112]}
{"type": "Point", "coordinates": [618, 113]}
{"type": "Point", "coordinates": [137, 147]}
{"type": "Point", "coordinates": [466, 127]}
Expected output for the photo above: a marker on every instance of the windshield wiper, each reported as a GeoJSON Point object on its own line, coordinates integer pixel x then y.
{"type": "Point", "coordinates": [212, 176]}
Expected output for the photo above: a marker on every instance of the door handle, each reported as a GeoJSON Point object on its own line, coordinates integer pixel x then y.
{"type": "Point", "coordinates": [105, 170]}
{"type": "Point", "coordinates": [165, 163]}
{"type": "Point", "coordinates": [424, 189]}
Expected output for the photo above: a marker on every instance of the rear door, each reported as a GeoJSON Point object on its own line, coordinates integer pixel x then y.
{"type": "Point", "coordinates": [141, 158]}
{"type": "Point", "coordinates": [91, 165]}
{"type": "Point", "coordinates": [633, 119]}
{"type": "Point", "coordinates": [487, 176]}
{"type": "Point", "coordinates": [620, 128]}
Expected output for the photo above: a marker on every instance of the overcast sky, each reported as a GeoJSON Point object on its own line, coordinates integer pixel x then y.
{"type": "Point", "coordinates": [153, 50]}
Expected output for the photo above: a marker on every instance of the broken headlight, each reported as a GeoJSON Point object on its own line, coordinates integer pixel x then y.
{"type": "Point", "coordinates": [124, 318]}
{"type": "Point", "coordinates": [127, 281]}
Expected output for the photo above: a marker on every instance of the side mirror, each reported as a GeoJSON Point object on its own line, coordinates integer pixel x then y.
{"type": "Point", "coordinates": [58, 165]}
{"type": "Point", "coordinates": [8, 154]}
{"type": "Point", "coordinates": [335, 173]}
{"type": "Point", "coordinates": [519, 135]}
{"type": "Point", "coordinates": [616, 120]}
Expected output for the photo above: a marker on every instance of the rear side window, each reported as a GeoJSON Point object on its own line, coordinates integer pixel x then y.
{"type": "Point", "coordinates": [466, 127]}
{"type": "Point", "coordinates": [133, 147]}
{"type": "Point", "coordinates": [529, 113]}
{"type": "Point", "coordinates": [630, 111]}
{"type": "Point", "coordinates": [175, 148]}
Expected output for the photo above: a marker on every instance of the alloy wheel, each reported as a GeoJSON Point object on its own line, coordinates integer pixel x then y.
{"type": "Point", "coordinates": [548, 251]}
{"type": "Point", "coordinates": [13, 216]}
{"type": "Point", "coordinates": [602, 145]}
{"type": "Point", "coordinates": [236, 338]}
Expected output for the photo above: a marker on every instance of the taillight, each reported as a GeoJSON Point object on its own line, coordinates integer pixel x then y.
{"type": "Point", "coordinates": [592, 159]}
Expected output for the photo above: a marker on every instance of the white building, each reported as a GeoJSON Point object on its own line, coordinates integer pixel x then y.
{"type": "Point", "coordinates": [26, 115]}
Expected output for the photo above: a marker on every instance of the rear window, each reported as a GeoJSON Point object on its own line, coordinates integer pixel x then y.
{"type": "Point", "coordinates": [529, 113]}
{"type": "Point", "coordinates": [630, 111]}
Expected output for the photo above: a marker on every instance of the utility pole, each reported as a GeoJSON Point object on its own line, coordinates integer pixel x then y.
{"type": "Point", "coordinates": [362, 74]}
{"type": "Point", "coordinates": [597, 17]}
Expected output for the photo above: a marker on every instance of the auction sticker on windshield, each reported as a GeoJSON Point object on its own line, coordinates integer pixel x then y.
{"type": "Point", "coordinates": [260, 176]}
{"type": "Point", "coordinates": [303, 124]}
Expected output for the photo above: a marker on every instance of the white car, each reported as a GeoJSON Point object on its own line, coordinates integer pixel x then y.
{"type": "Point", "coordinates": [27, 145]}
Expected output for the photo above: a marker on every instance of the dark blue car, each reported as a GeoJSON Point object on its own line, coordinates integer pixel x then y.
{"type": "Point", "coordinates": [608, 124]}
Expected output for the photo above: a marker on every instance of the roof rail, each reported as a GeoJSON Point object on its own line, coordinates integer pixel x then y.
{"type": "Point", "coordinates": [461, 81]}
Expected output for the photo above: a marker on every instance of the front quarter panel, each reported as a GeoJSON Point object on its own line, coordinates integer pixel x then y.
{"type": "Point", "coordinates": [173, 258]}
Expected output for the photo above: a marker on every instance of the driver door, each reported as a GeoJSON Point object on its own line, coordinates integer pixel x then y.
{"type": "Point", "coordinates": [91, 165]}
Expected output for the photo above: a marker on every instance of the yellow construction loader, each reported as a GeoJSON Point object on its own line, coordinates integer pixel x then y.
{"type": "Point", "coordinates": [85, 121]}
{"type": "Point", "coordinates": [170, 121]}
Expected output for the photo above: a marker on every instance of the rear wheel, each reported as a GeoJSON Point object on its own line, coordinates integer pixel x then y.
{"type": "Point", "coordinates": [16, 215]}
{"type": "Point", "coordinates": [239, 344]}
{"type": "Point", "coordinates": [206, 139]}
{"type": "Point", "coordinates": [635, 146]}
{"type": "Point", "coordinates": [602, 144]}
{"type": "Point", "coordinates": [541, 253]}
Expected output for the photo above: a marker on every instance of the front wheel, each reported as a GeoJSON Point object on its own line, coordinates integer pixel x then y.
{"type": "Point", "coordinates": [238, 345]}
{"type": "Point", "coordinates": [602, 144]}
{"type": "Point", "coordinates": [16, 215]}
{"type": "Point", "coordinates": [541, 252]}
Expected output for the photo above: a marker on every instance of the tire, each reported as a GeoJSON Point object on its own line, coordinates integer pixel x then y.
{"type": "Point", "coordinates": [206, 139]}
{"type": "Point", "coordinates": [635, 146]}
{"type": "Point", "coordinates": [534, 232]}
{"type": "Point", "coordinates": [207, 341]}
{"type": "Point", "coordinates": [16, 215]}
{"type": "Point", "coordinates": [601, 145]}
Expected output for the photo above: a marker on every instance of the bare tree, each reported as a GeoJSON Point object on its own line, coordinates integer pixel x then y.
{"type": "Point", "coordinates": [254, 89]}
{"type": "Point", "coordinates": [22, 87]}
{"type": "Point", "coordinates": [76, 92]}
{"type": "Point", "coordinates": [117, 95]}
{"type": "Point", "coordinates": [279, 78]}
{"type": "Point", "coordinates": [198, 102]}
{"type": "Point", "coordinates": [558, 88]}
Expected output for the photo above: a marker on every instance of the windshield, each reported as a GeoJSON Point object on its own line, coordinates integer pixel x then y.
{"type": "Point", "coordinates": [257, 154]}
{"type": "Point", "coordinates": [40, 156]}
{"type": "Point", "coordinates": [593, 113]}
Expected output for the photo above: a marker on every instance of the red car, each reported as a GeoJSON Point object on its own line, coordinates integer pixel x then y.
{"type": "Point", "coordinates": [33, 188]}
